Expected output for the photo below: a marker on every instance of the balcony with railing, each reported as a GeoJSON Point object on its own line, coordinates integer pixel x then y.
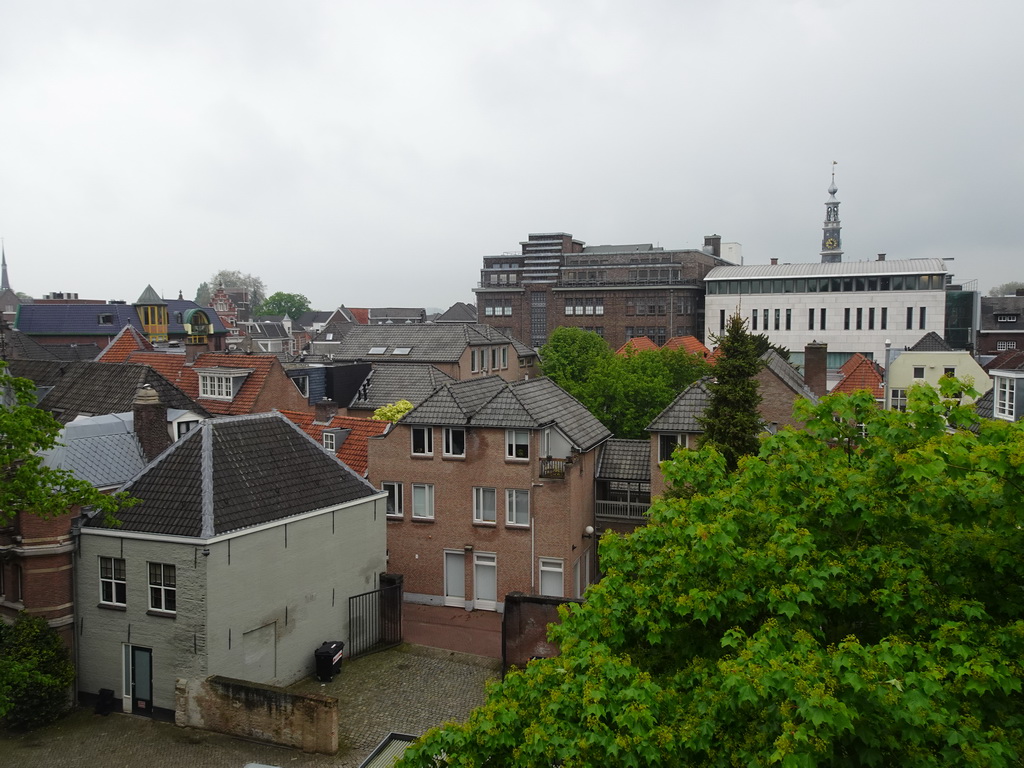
{"type": "Point", "coordinates": [631, 511]}
{"type": "Point", "coordinates": [554, 469]}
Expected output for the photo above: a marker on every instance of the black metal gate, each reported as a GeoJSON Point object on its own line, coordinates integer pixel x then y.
{"type": "Point", "coordinates": [374, 620]}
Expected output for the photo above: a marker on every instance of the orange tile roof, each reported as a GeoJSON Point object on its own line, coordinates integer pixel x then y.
{"type": "Point", "coordinates": [354, 450]}
{"type": "Point", "coordinates": [863, 375]}
{"type": "Point", "coordinates": [639, 344]}
{"type": "Point", "coordinates": [689, 344]}
{"type": "Point", "coordinates": [361, 315]}
{"type": "Point", "coordinates": [167, 365]}
{"type": "Point", "coordinates": [128, 340]}
{"type": "Point", "coordinates": [852, 363]}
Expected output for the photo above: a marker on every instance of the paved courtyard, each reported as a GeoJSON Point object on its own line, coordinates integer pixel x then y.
{"type": "Point", "coordinates": [409, 690]}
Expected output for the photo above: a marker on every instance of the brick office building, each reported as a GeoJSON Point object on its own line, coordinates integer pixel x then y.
{"type": "Point", "coordinates": [618, 291]}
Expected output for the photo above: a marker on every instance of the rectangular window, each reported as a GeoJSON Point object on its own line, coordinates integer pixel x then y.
{"type": "Point", "coordinates": [871, 318]}
{"type": "Point", "coordinates": [898, 399]}
{"type": "Point", "coordinates": [162, 589]}
{"type": "Point", "coordinates": [113, 585]}
{"type": "Point", "coordinates": [517, 507]}
{"type": "Point", "coordinates": [1005, 396]}
{"type": "Point", "coordinates": [329, 441]}
{"type": "Point", "coordinates": [667, 444]}
{"type": "Point", "coordinates": [822, 318]}
{"type": "Point", "coordinates": [217, 387]}
{"type": "Point", "coordinates": [1002, 346]}
{"type": "Point", "coordinates": [778, 318]}
{"type": "Point", "coordinates": [551, 577]}
{"type": "Point", "coordinates": [454, 441]}
{"type": "Point", "coordinates": [860, 318]}
{"type": "Point", "coordinates": [422, 441]}
{"type": "Point", "coordinates": [422, 501]}
{"type": "Point", "coordinates": [504, 357]}
{"type": "Point", "coordinates": [884, 324]}
{"type": "Point", "coordinates": [918, 371]}
{"type": "Point", "coordinates": [721, 319]}
{"type": "Point", "coordinates": [789, 319]}
{"type": "Point", "coordinates": [764, 316]}
{"type": "Point", "coordinates": [846, 319]}
{"type": "Point", "coordinates": [910, 318]}
{"type": "Point", "coordinates": [517, 444]}
{"type": "Point", "coordinates": [395, 501]}
{"type": "Point", "coordinates": [473, 365]}
{"type": "Point", "coordinates": [1006, 318]}
{"type": "Point", "coordinates": [485, 505]}
{"type": "Point", "coordinates": [810, 319]}
{"type": "Point", "coordinates": [753, 320]}
{"type": "Point", "coordinates": [922, 318]}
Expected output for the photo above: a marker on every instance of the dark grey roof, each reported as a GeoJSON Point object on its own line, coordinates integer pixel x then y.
{"type": "Point", "coordinates": [441, 343]}
{"type": "Point", "coordinates": [625, 460]}
{"type": "Point", "coordinates": [931, 342]}
{"type": "Point", "coordinates": [389, 382]}
{"type": "Point", "coordinates": [18, 346]}
{"type": "Point", "coordinates": [788, 374]}
{"type": "Point", "coordinates": [97, 388]}
{"type": "Point", "coordinates": [984, 406]}
{"type": "Point", "coordinates": [493, 402]}
{"type": "Point", "coordinates": [682, 414]}
{"type": "Point", "coordinates": [260, 468]}
{"type": "Point", "coordinates": [1008, 360]}
{"type": "Point", "coordinates": [265, 329]}
{"type": "Point", "coordinates": [85, 319]}
{"type": "Point", "coordinates": [102, 450]}
{"type": "Point", "coordinates": [149, 296]}
{"type": "Point", "coordinates": [459, 312]}
{"type": "Point", "coordinates": [993, 307]}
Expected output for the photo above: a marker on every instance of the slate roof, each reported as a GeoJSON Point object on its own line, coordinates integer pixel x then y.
{"type": "Point", "coordinates": [788, 374]}
{"type": "Point", "coordinates": [682, 413]}
{"type": "Point", "coordinates": [259, 468]}
{"type": "Point", "coordinates": [638, 344]}
{"type": "Point", "coordinates": [984, 406]}
{"type": "Point", "coordinates": [353, 451]}
{"type": "Point", "coordinates": [313, 317]}
{"type": "Point", "coordinates": [18, 346]}
{"type": "Point", "coordinates": [931, 342]}
{"type": "Point", "coordinates": [265, 329]}
{"type": "Point", "coordinates": [689, 344]}
{"type": "Point", "coordinates": [1009, 360]}
{"type": "Point", "coordinates": [860, 374]}
{"type": "Point", "coordinates": [129, 339]}
{"type": "Point", "coordinates": [90, 388]}
{"type": "Point", "coordinates": [84, 319]}
{"type": "Point", "coordinates": [993, 306]}
{"type": "Point", "coordinates": [529, 404]}
{"type": "Point", "coordinates": [101, 450]}
{"type": "Point", "coordinates": [459, 312]}
{"type": "Point", "coordinates": [628, 460]}
{"type": "Point", "coordinates": [398, 381]}
{"type": "Point", "coordinates": [442, 343]}
{"type": "Point", "coordinates": [72, 352]}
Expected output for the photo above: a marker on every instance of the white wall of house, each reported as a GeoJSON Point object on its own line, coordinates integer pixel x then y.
{"type": "Point", "coordinates": [904, 369]}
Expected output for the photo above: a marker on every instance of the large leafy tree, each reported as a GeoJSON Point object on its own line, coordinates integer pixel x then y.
{"type": "Point", "coordinates": [35, 673]}
{"type": "Point", "coordinates": [232, 278]}
{"type": "Point", "coordinates": [625, 391]}
{"type": "Point", "coordinates": [852, 596]}
{"type": "Point", "coordinates": [280, 303]}
{"type": "Point", "coordinates": [1006, 289]}
{"type": "Point", "coordinates": [732, 421]}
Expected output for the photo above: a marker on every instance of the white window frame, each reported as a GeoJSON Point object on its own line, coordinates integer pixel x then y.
{"type": "Point", "coordinates": [485, 506]}
{"type": "Point", "coordinates": [450, 449]}
{"type": "Point", "coordinates": [504, 357]}
{"type": "Point", "coordinates": [330, 441]}
{"type": "Point", "coordinates": [113, 581]}
{"type": "Point", "coordinates": [163, 587]}
{"type": "Point", "coordinates": [1002, 346]}
{"type": "Point", "coordinates": [422, 501]}
{"type": "Point", "coordinates": [517, 508]}
{"type": "Point", "coordinates": [302, 384]}
{"type": "Point", "coordinates": [680, 441]}
{"type": "Point", "coordinates": [428, 441]}
{"type": "Point", "coordinates": [898, 400]}
{"type": "Point", "coordinates": [551, 565]}
{"type": "Point", "coordinates": [1004, 400]}
{"type": "Point", "coordinates": [1006, 318]}
{"type": "Point", "coordinates": [216, 387]}
{"type": "Point", "coordinates": [394, 498]}
{"type": "Point", "coordinates": [515, 443]}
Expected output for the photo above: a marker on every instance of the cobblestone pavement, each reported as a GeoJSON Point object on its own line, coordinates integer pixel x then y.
{"type": "Point", "coordinates": [408, 690]}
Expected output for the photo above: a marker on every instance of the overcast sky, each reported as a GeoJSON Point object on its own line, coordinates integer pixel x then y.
{"type": "Point", "coordinates": [371, 153]}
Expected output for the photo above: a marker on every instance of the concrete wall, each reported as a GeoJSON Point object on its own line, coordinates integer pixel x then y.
{"type": "Point", "coordinates": [305, 721]}
{"type": "Point", "coordinates": [524, 629]}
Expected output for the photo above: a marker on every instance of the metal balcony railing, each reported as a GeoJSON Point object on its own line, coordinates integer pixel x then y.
{"type": "Point", "coordinates": [622, 510]}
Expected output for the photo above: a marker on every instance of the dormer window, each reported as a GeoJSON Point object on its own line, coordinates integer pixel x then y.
{"type": "Point", "coordinates": [221, 383]}
{"type": "Point", "coordinates": [1006, 318]}
{"type": "Point", "coordinates": [105, 319]}
{"type": "Point", "coordinates": [329, 441]}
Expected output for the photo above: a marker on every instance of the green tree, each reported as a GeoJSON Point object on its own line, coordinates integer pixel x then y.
{"type": "Point", "coordinates": [280, 303]}
{"type": "Point", "coordinates": [35, 673]}
{"type": "Point", "coordinates": [732, 421]}
{"type": "Point", "coordinates": [849, 597]}
{"type": "Point", "coordinates": [392, 411]}
{"type": "Point", "coordinates": [203, 295]}
{"type": "Point", "coordinates": [571, 356]}
{"type": "Point", "coordinates": [1007, 289]}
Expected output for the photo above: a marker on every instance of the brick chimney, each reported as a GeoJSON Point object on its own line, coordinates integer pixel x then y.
{"type": "Point", "coordinates": [881, 257]}
{"type": "Point", "coordinates": [713, 244]}
{"type": "Point", "coordinates": [775, 261]}
{"type": "Point", "coordinates": [326, 410]}
{"type": "Point", "coordinates": [150, 417]}
{"type": "Point", "coordinates": [816, 367]}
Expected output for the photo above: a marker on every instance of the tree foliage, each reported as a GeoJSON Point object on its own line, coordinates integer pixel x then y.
{"type": "Point", "coordinates": [280, 303]}
{"type": "Point", "coordinates": [392, 411]}
{"type": "Point", "coordinates": [232, 278]}
{"type": "Point", "coordinates": [1007, 289]}
{"type": "Point", "coordinates": [35, 673]}
{"type": "Point", "coordinates": [732, 421]}
{"type": "Point", "coordinates": [626, 392]}
{"type": "Point", "coordinates": [26, 484]}
{"type": "Point", "coordinates": [852, 596]}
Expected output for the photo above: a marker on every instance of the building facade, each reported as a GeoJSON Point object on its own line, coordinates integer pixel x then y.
{"type": "Point", "coordinates": [618, 291]}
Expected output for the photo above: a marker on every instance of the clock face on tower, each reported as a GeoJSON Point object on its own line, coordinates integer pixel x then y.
{"type": "Point", "coordinates": [831, 243]}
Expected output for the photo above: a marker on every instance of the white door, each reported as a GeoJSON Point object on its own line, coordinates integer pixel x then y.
{"type": "Point", "coordinates": [455, 579]}
{"type": "Point", "coordinates": [485, 581]}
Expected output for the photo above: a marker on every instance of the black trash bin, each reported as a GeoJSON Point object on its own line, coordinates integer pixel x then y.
{"type": "Point", "coordinates": [328, 660]}
{"type": "Point", "coordinates": [105, 702]}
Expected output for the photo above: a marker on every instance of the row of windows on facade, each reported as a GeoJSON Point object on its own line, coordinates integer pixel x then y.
{"type": "Point", "coordinates": [517, 442]}
{"type": "Point", "coordinates": [497, 357]}
{"type": "Point", "coordinates": [163, 592]}
{"type": "Point", "coordinates": [859, 318]}
{"type": "Point", "coordinates": [829, 284]}
{"type": "Point", "coordinates": [485, 504]}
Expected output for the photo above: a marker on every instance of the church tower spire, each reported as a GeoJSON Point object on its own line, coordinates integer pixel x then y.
{"type": "Point", "coordinates": [831, 233]}
{"type": "Point", "coordinates": [4, 284]}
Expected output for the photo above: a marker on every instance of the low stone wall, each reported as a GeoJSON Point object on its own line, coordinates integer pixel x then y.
{"type": "Point", "coordinates": [524, 628]}
{"type": "Point", "coordinates": [261, 712]}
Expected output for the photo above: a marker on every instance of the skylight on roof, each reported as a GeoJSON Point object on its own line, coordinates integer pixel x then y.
{"type": "Point", "coordinates": [402, 350]}
{"type": "Point", "coordinates": [378, 350]}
